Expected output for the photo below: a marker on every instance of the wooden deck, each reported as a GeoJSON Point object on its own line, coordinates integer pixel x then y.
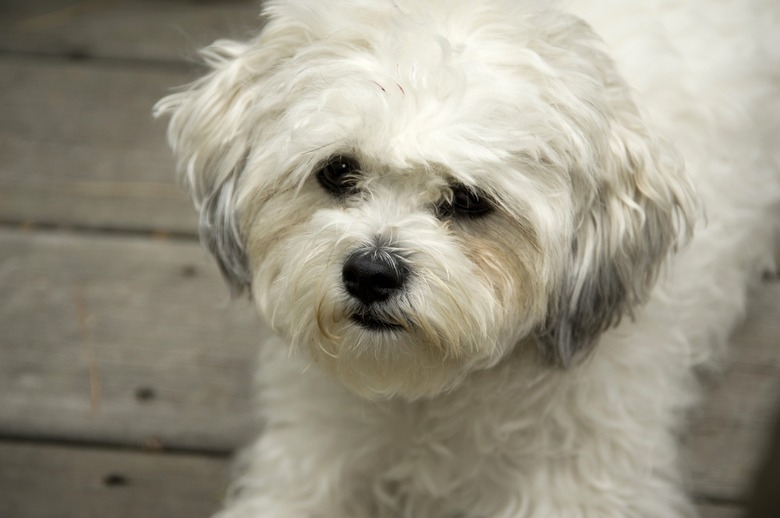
{"type": "Point", "coordinates": [124, 368]}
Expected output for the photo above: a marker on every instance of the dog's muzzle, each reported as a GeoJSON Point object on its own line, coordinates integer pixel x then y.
{"type": "Point", "coordinates": [374, 275]}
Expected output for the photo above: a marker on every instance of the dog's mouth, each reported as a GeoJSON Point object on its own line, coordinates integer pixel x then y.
{"type": "Point", "coordinates": [368, 320]}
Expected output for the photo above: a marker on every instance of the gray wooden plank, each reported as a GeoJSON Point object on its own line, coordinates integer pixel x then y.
{"type": "Point", "coordinates": [121, 340]}
{"type": "Point", "coordinates": [764, 498]}
{"type": "Point", "coordinates": [78, 146]}
{"type": "Point", "coordinates": [720, 511]}
{"type": "Point", "coordinates": [83, 482]}
{"type": "Point", "coordinates": [730, 432]}
{"type": "Point", "coordinates": [139, 29]}
{"type": "Point", "coordinates": [41, 481]}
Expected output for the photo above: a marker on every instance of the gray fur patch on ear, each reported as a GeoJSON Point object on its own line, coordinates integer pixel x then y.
{"type": "Point", "coordinates": [573, 327]}
{"type": "Point", "coordinates": [219, 231]}
{"type": "Point", "coordinates": [602, 285]}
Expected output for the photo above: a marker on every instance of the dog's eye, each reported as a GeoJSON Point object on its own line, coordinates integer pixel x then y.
{"type": "Point", "coordinates": [466, 202]}
{"type": "Point", "coordinates": [337, 175]}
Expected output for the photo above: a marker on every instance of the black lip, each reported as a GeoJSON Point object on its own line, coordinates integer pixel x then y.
{"type": "Point", "coordinates": [372, 323]}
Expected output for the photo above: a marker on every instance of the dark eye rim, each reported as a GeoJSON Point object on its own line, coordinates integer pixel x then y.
{"type": "Point", "coordinates": [337, 174]}
{"type": "Point", "coordinates": [467, 202]}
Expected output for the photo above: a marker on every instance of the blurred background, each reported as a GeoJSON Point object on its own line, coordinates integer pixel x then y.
{"type": "Point", "coordinates": [125, 369]}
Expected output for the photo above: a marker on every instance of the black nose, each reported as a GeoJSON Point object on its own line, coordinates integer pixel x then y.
{"type": "Point", "coordinates": [373, 275]}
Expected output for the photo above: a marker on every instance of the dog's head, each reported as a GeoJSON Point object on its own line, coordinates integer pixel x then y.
{"type": "Point", "coordinates": [412, 192]}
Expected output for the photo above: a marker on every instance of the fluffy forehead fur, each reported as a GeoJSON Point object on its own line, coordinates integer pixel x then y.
{"type": "Point", "coordinates": [511, 99]}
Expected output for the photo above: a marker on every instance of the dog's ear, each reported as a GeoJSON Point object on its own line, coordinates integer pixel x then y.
{"type": "Point", "coordinates": [206, 135]}
{"type": "Point", "coordinates": [636, 211]}
{"type": "Point", "coordinates": [213, 126]}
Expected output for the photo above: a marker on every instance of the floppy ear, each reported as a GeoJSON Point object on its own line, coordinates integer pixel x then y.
{"type": "Point", "coordinates": [636, 213]}
{"type": "Point", "coordinates": [210, 145]}
{"type": "Point", "coordinates": [214, 123]}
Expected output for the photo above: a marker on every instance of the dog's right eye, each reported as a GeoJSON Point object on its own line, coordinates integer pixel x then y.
{"type": "Point", "coordinates": [338, 175]}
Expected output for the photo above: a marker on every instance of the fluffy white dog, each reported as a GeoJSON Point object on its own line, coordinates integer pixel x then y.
{"type": "Point", "coordinates": [458, 213]}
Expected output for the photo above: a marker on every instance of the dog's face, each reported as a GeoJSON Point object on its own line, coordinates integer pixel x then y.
{"type": "Point", "coordinates": [412, 194]}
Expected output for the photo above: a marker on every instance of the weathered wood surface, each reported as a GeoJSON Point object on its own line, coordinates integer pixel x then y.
{"type": "Point", "coordinates": [44, 481]}
{"type": "Point", "coordinates": [79, 146]}
{"type": "Point", "coordinates": [159, 30]}
{"type": "Point", "coordinates": [766, 494]}
{"type": "Point", "coordinates": [121, 341]}
{"type": "Point", "coordinates": [728, 435]}
{"type": "Point", "coordinates": [720, 511]}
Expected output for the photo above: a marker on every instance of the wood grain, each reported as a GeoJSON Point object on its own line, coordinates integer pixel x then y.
{"type": "Point", "coordinates": [729, 434]}
{"type": "Point", "coordinates": [720, 511]}
{"type": "Point", "coordinates": [44, 481]}
{"type": "Point", "coordinates": [764, 498]}
{"type": "Point", "coordinates": [79, 146]}
{"type": "Point", "coordinates": [156, 30]}
{"type": "Point", "coordinates": [121, 341]}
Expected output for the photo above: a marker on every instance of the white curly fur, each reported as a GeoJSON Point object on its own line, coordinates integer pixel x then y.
{"type": "Point", "coordinates": [545, 353]}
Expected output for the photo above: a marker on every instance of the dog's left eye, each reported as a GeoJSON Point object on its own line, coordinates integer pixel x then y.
{"type": "Point", "coordinates": [337, 175]}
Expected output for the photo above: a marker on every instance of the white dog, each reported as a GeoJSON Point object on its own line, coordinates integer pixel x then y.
{"type": "Point", "coordinates": [456, 216]}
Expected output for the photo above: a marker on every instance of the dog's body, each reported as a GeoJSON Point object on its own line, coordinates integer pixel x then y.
{"type": "Point", "coordinates": [471, 385]}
